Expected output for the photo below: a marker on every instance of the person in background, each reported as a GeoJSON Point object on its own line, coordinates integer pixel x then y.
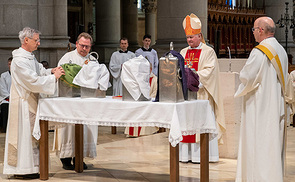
{"type": "Point", "coordinates": [115, 66]}
{"type": "Point", "coordinates": [45, 64]}
{"type": "Point", "coordinates": [150, 54]}
{"type": "Point", "coordinates": [28, 79]}
{"type": "Point", "coordinates": [5, 83]}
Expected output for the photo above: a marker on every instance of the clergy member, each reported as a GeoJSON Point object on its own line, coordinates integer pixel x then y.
{"type": "Point", "coordinates": [203, 61]}
{"type": "Point", "coordinates": [262, 122]}
{"type": "Point", "coordinates": [117, 59]}
{"type": "Point", "coordinates": [150, 54]}
{"type": "Point", "coordinates": [28, 79]}
{"type": "Point", "coordinates": [65, 136]}
{"type": "Point", "coordinates": [5, 83]}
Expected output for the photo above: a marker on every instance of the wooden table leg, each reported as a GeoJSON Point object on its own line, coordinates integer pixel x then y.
{"type": "Point", "coordinates": [44, 152]}
{"type": "Point", "coordinates": [174, 163]}
{"type": "Point", "coordinates": [114, 130]}
{"type": "Point", "coordinates": [204, 157]}
{"type": "Point", "coordinates": [79, 146]}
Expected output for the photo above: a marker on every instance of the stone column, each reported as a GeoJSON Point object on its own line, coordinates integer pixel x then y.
{"type": "Point", "coordinates": [52, 22]}
{"type": "Point", "coordinates": [108, 22]}
{"type": "Point", "coordinates": [170, 15]}
{"type": "Point", "coordinates": [129, 21]}
{"type": "Point", "coordinates": [50, 17]}
{"type": "Point", "coordinates": [150, 7]}
{"type": "Point", "coordinates": [108, 28]}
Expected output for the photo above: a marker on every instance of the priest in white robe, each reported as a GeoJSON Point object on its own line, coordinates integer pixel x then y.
{"type": "Point", "coordinates": [149, 53]}
{"type": "Point", "coordinates": [115, 66]}
{"type": "Point", "coordinates": [203, 61]}
{"type": "Point", "coordinates": [64, 137]}
{"type": "Point", "coordinates": [5, 83]}
{"type": "Point", "coordinates": [262, 120]}
{"type": "Point", "coordinates": [28, 79]}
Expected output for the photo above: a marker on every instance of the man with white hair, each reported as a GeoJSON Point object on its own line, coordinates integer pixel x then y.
{"type": "Point", "coordinates": [263, 87]}
{"type": "Point", "coordinates": [203, 61]}
{"type": "Point", "coordinates": [28, 79]}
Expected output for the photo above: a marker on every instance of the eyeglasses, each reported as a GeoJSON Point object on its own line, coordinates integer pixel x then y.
{"type": "Point", "coordinates": [253, 29]}
{"type": "Point", "coordinates": [36, 40]}
{"type": "Point", "coordinates": [85, 46]}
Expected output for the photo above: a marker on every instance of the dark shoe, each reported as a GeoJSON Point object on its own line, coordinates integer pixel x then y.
{"type": "Point", "coordinates": [27, 176]}
{"type": "Point", "coordinates": [68, 167]}
{"type": "Point", "coordinates": [84, 165]}
{"type": "Point", "coordinates": [67, 163]}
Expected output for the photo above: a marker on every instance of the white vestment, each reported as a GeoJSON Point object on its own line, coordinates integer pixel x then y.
{"type": "Point", "coordinates": [115, 66]}
{"type": "Point", "coordinates": [145, 130]}
{"type": "Point", "coordinates": [208, 71]}
{"type": "Point", "coordinates": [262, 119]}
{"type": "Point", "coordinates": [135, 77]}
{"type": "Point", "coordinates": [27, 80]}
{"type": "Point", "coordinates": [5, 83]}
{"type": "Point", "coordinates": [64, 137]}
{"type": "Point", "coordinates": [152, 57]}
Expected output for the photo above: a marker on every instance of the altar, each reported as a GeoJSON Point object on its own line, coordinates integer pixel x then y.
{"type": "Point", "coordinates": [183, 118]}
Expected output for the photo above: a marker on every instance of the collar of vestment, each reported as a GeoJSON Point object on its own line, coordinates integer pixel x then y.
{"type": "Point", "coordinates": [144, 49]}
{"type": "Point", "coordinates": [199, 46]}
{"type": "Point", "coordinates": [86, 57]}
{"type": "Point", "coordinates": [121, 51]}
{"type": "Point", "coordinates": [21, 52]}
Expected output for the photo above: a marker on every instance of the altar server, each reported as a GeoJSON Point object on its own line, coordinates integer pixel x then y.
{"type": "Point", "coordinates": [116, 62]}
{"type": "Point", "coordinates": [28, 79]}
{"type": "Point", "coordinates": [263, 86]}
{"type": "Point", "coordinates": [149, 53]}
{"type": "Point", "coordinates": [203, 61]}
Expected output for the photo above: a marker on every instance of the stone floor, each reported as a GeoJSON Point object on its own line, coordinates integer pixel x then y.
{"type": "Point", "coordinates": [142, 159]}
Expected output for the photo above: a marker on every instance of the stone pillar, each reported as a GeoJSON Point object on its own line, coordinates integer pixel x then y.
{"type": "Point", "coordinates": [50, 17]}
{"type": "Point", "coordinates": [52, 22]}
{"type": "Point", "coordinates": [150, 7]}
{"type": "Point", "coordinates": [108, 28]}
{"type": "Point", "coordinates": [129, 21]}
{"type": "Point", "coordinates": [108, 22]}
{"type": "Point", "coordinates": [170, 15]}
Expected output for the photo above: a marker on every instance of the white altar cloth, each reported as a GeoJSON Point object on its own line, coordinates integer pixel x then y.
{"type": "Point", "coordinates": [183, 118]}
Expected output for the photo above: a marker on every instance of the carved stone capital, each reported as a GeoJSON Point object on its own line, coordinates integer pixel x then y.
{"type": "Point", "coordinates": [150, 6]}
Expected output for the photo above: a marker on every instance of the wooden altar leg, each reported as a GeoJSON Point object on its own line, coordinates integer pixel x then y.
{"type": "Point", "coordinates": [114, 130]}
{"type": "Point", "coordinates": [174, 163]}
{"type": "Point", "coordinates": [44, 152]}
{"type": "Point", "coordinates": [204, 157]}
{"type": "Point", "coordinates": [79, 146]}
